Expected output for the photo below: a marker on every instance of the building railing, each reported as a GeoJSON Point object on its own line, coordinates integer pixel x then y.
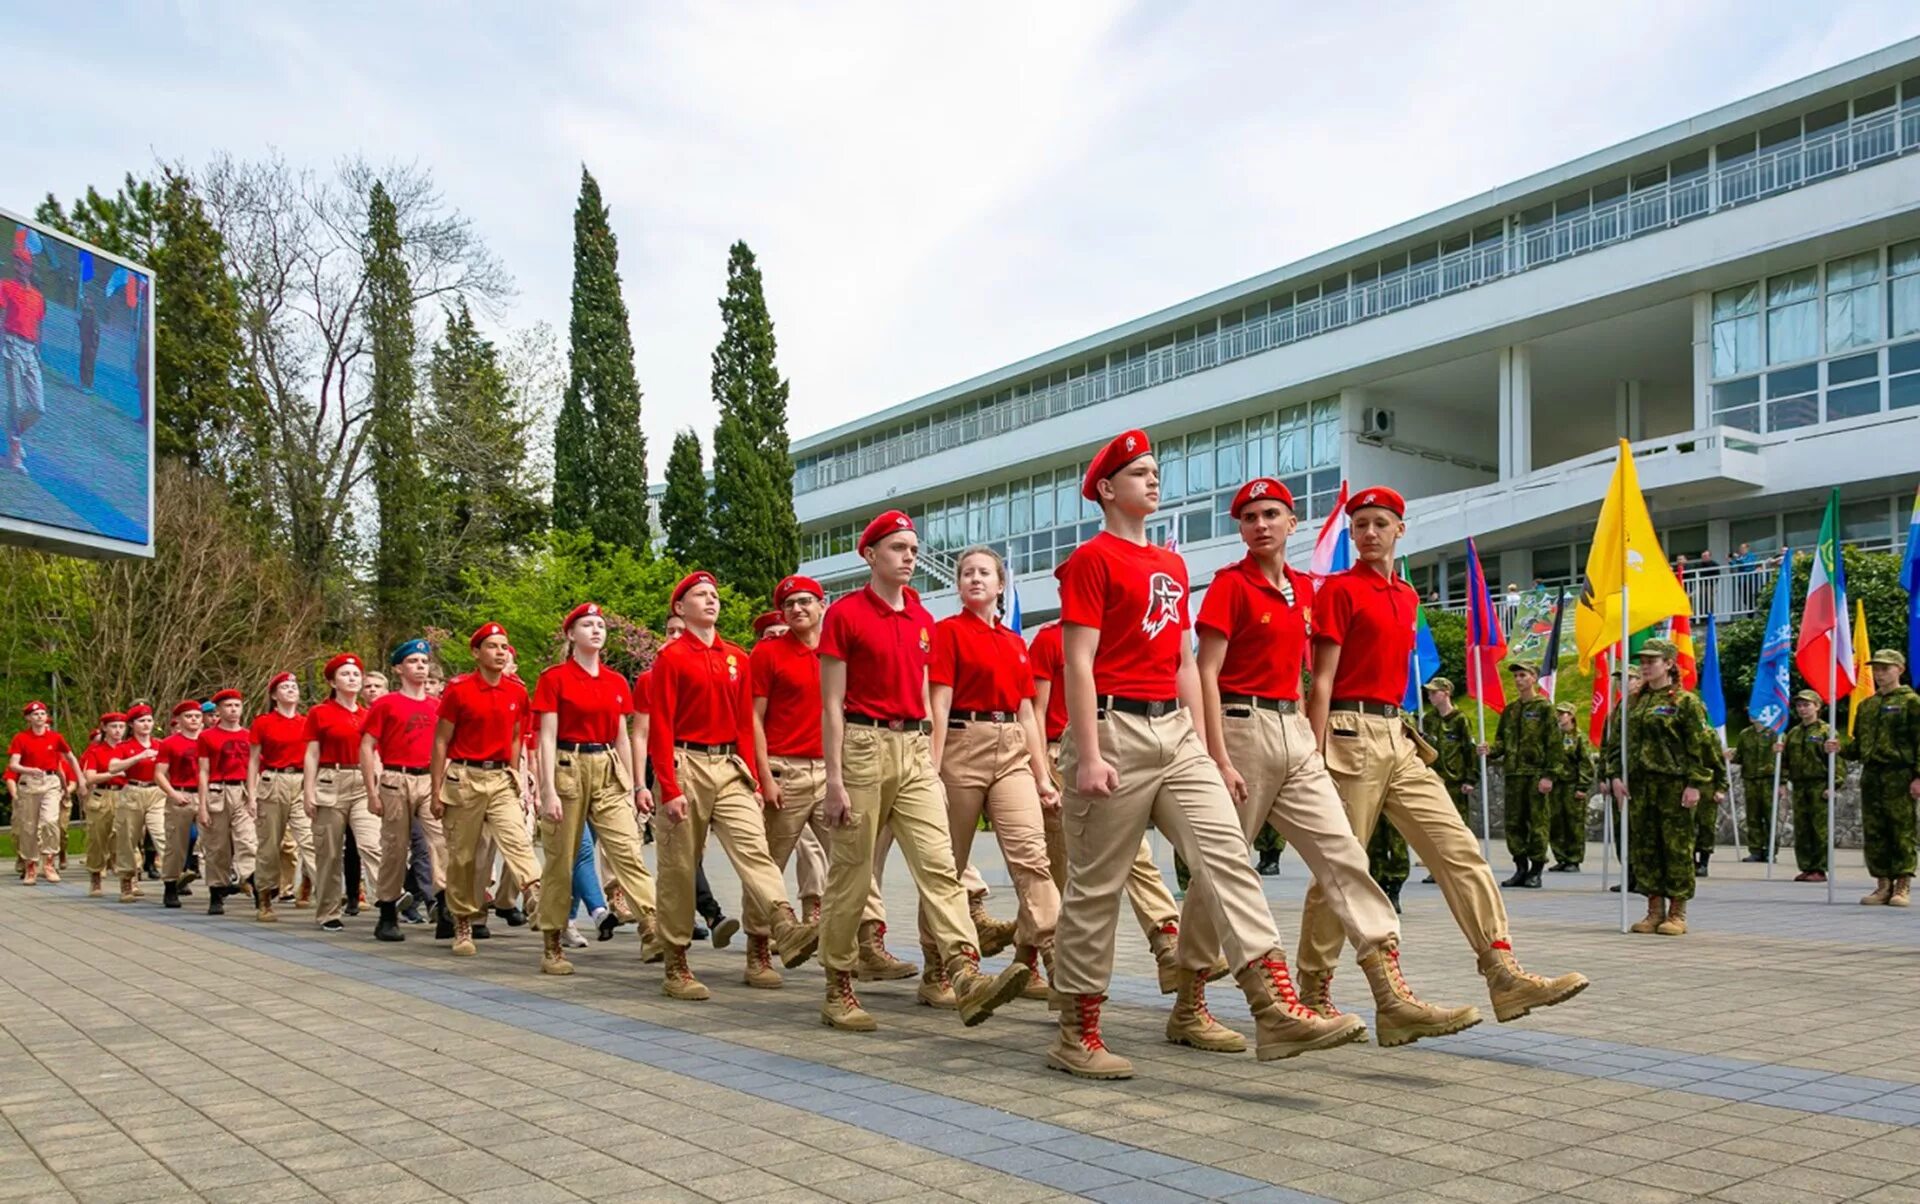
{"type": "Point", "coordinates": [1859, 143]}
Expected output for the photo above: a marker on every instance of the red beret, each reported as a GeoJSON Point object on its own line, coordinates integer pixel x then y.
{"type": "Point", "coordinates": [1377, 495]}
{"type": "Point", "coordinates": [483, 632]}
{"type": "Point", "coordinates": [188, 706]}
{"type": "Point", "coordinates": [697, 577]}
{"type": "Point", "coordinates": [880, 528]}
{"type": "Point", "coordinates": [1126, 447]}
{"type": "Point", "coordinates": [273, 683]}
{"type": "Point", "coordinates": [796, 584]}
{"type": "Point", "coordinates": [35, 705]}
{"type": "Point", "coordinates": [220, 696]}
{"type": "Point", "coordinates": [1258, 489]}
{"type": "Point", "coordinates": [112, 717]}
{"type": "Point", "coordinates": [578, 613]}
{"type": "Point", "coordinates": [138, 710]}
{"type": "Point", "coordinates": [772, 618]}
{"type": "Point", "coordinates": [340, 662]}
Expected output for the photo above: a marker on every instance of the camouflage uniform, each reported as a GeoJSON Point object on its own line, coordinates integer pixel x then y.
{"type": "Point", "coordinates": [1387, 860]}
{"type": "Point", "coordinates": [1527, 748]}
{"type": "Point", "coordinates": [1457, 762]}
{"type": "Point", "coordinates": [1670, 747]}
{"type": "Point", "coordinates": [1804, 766]}
{"type": "Point", "coordinates": [1573, 774]}
{"type": "Point", "coordinates": [1753, 752]}
{"type": "Point", "coordinates": [1886, 743]}
{"type": "Point", "coordinates": [1706, 817]}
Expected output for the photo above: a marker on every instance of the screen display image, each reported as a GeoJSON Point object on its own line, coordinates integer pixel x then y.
{"type": "Point", "coordinates": [76, 394]}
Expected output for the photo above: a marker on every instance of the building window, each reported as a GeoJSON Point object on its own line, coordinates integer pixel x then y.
{"type": "Point", "coordinates": [1761, 535]}
{"type": "Point", "coordinates": [1866, 522]}
{"type": "Point", "coordinates": [1903, 376]}
{"type": "Point", "coordinates": [1737, 403]}
{"type": "Point", "coordinates": [1853, 386]}
{"type": "Point", "coordinates": [1853, 302]}
{"type": "Point", "coordinates": [1793, 316]}
{"type": "Point", "coordinates": [1736, 330]}
{"type": "Point", "coordinates": [1903, 268]}
{"type": "Point", "coordinates": [1792, 400]}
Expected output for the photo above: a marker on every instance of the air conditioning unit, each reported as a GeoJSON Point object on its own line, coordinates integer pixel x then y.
{"type": "Point", "coordinates": [1376, 423]}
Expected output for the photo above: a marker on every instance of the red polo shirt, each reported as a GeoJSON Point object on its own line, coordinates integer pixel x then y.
{"type": "Point", "coordinates": [46, 751]}
{"type": "Point", "coordinates": [1136, 596]}
{"type": "Point", "coordinates": [140, 773]}
{"type": "Point", "coordinates": [97, 757]}
{"type": "Point", "coordinates": [281, 739]}
{"type": "Point", "coordinates": [226, 754]}
{"type": "Point", "coordinates": [1371, 618]}
{"type": "Point", "coordinates": [590, 705]}
{"type": "Point", "coordinates": [885, 651]}
{"type": "Point", "coordinates": [984, 663]}
{"type": "Point", "coordinates": [486, 719]}
{"type": "Point", "coordinates": [699, 692]}
{"type": "Point", "coordinates": [1266, 635]}
{"type": "Point", "coordinates": [180, 753]}
{"type": "Point", "coordinates": [24, 307]}
{"type": "Point", "coordinates": [1047, 657]}
{"type": "Point", "coordinates": [337, 731]}
{"type": "Point", "coordinates": [402, 729]}
{"type": "Point", "coordinates": [787, 674]}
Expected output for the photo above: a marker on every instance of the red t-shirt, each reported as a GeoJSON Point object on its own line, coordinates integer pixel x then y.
{"type": "Point", "coordinates": [1266, 635]}
{"type": "Point", "coordinates": [180, 753]}
{"type": "Point", "coordinates": [1371, 618]}
{"type": "Point", "coordinates": [97, 757]}
{"type": "Point", "coordinates": [402, 729]}
{"type": "Point", "coordinates": [24, 306]}
{"type": "Point", "coordinates": [590, 706]}
{"type": "Point", "coordinates": [1047, 656]}
{"type": "Point", "coordinates": [337, 730]}
{"type": "Point", "coordinates": [226, 754]}
{"type": "Point", "coordinates": [486, 718]}
{"type": "Point", "coordinates": [281, 739]}
{"type": "Point", "coordinates": [47, 751]}
{"type": "Point", "coordinates": [140, 773]}
{"type": "Point", "coordinates": [885, 651]}
{"type": "Point", "coordinates": [787, 674]}
{"type": "Point", "coordinates": [1136, 595]}
{"type": "Point", "coordinates": [699, 692]}
{"type": "Point", "coordinates": [985, 663]}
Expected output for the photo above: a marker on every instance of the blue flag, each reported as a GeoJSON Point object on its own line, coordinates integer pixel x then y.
{"type": "Point", "coordinates": [1772, 682]}
{"type": "Point", "coordinates": [1710, 691]}
{"type": "Point", "coordinates": [1910, 580]}
{"type": "Point", "coordinates": [1013, 613]}
{"type": "Point", "coordinates": [1423, 662]}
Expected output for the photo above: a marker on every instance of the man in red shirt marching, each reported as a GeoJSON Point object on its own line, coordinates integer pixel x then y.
{"type": "Point", "coordinates": [22, 308]}
{"type": "Point", "coordinates": [1253, 644]}
{"type": "Point", "coordinates": [141, 806]}
{"type": "Point", "coordinates": [36, 758]}
{"type": "Point", "coordinates": [1131, 757]}
{"type": "Point", "coordinates": [700, 738]}
{"type": "Point", "coordinates": [227, 838]}
{"type": "Point", "coordinates": [875, 647]}
{"type": "Point", "coordinates": [104, 784]}
{"type": "Point", "coordinates": [1363, 632]}
{"type": "Point", "coordinates": [178, 773]}
{"type": "Point", "coordinates": [276, 771]}
{"type": "Point", "coordinates": [396, 752]}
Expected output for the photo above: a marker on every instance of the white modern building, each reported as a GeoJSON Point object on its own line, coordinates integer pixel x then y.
{"type": "Point", "coordinates": [1737, 294]}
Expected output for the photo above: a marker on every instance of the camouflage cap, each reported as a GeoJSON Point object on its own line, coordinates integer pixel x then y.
{"type": "Point", "coordinates": [1807, 696]}
{"type": "Point", "coordinates": [1660, 648]}
{"type": "Point", "coordinates": [1889, 656]}
{"type": "Point", "coordinates": [1564, 708]}
{"type": "Point", "coordinates": [1440, 683]}
{"type": "Point", "coordinates": [1523, 667]}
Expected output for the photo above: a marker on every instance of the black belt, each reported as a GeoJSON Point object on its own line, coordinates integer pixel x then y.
{"type": "Point", "coordinates": [338, 765]}
{"type": "Point", "coordinates": [1257, 702]}
{"type": "Point", "coordinates": [267, 773]}
{"type": "Point", "coordinates": [962, 718]}
{"type": "Point", "coordinates": [577, 746]}
{"type": "Point", "coordinates": [712, 750]}
{"type": "Point", "coordinates": [893, 725]}
{"type": "Point", "coordinates": [1386, 710]}
{"type": "Point", "coordinates": [228, 782]}
{"type": "Point", "coordinates": [415, 771]}
{"type": "Point", "coordinates": [471, 764]}
{"type": "Point", "coordinates": [1151, 708]}
{"type": "Point", "coordinates": [108, 789]}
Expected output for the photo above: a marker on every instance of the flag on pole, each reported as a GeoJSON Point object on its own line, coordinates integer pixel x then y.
{"type": "Point", "coordinates": [1824, 654]}
{"type": "Point", "coordinates": [1641, 573]}
{"type": "Point", "coordinates": [1602, 703]}
{"type": "Point", "coordinates": [1773, 680]}
{"type": "Point", "coordinates": [1910, 581]}
{"type": "Point", "coordinates": [1862, 689]}
{"type": "Point", "coordinates": [1680, 631]}
{"type": "Point", "coordinates": [1333, 547]}
{"type": "Point", "coordinates": [1486, 642]}
{"type": "Point", "coordinates": [1424, 661]}
{"type": "Point", "coordinates": [1711, 691]}
{"type": "Point", "coordinates": [1550, 655]}
{"type": "Point", "coordinates": [1013, 612]}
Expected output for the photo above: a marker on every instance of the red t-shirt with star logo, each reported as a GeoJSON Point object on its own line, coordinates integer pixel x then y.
{"type": "Point", "coordinates": [1266, 635]}
{"type": "Point", "coordinates": [402, 729]}
{"type": "Point", "coordinates": [1135, 595]}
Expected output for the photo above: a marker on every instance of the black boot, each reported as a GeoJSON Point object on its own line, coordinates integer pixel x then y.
{"type": "Point", "coordinates": [512, 915]}
{"type": "Point", "coordinates": [1393, 894]}
{"type": "Point", "coordinates": [1269, 864]}
{"type": "Point", "coordinates": [1700, 863]}
{"type": "Point", "coordinates": [442, 919]}
{"type": "Point", "coordinates": [1519, 873]}
{"type": "Point", "coordinates": [216, 900]}
{"type": "Point", "coordinates": [387, 927]}
{"type": "Point", "coordinates": [172, 896]}
{"type": "Point", "coordinates": [1532, 881]}
{"type": "Point", "coordinates": [480, 932]}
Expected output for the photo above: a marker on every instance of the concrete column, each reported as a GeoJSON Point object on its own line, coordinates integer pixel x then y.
{"type": "Point", "coordinates": [1515, 566]}
{"type": "Point", "coordinates": [1516, 412]}
{"type": "Point", "coordinates": [1627, 420]}
{"type": "Point", "coordinates": [1702, 360]}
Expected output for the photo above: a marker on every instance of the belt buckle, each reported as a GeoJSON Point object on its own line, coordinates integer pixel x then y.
{"type": "Point", "coordinates": [1000, 716]}
{"type": "Point", "coordinates": [1159, 710]}
{"type": "Point", "coordinates": [896, 725]}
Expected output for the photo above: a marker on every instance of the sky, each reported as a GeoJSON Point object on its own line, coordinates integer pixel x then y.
{"type": "Point", "coordinates": [932, 191]}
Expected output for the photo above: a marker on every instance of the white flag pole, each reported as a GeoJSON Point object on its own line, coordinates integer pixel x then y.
{"type": "Point", "coordinates": [1773, 816]}
{"type": "Point", "coordinates": [1833, 727]}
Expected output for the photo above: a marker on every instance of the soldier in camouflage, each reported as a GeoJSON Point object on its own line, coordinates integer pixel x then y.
{"type": "Point", "coordinates": [1573, 773]}
{"type": "Point", "coordinates": [1527, 747]}
{"type": "Point", "coordinates": [1445, 727]}
{"type": "Point", "coordinates": [1753, 751]}
{"type": "Point", "coordinates": [1804, 765]}
{"type": "Point", "coordinates": [1886, 743]}
{"type": "Point", "coordinates": [1670, 764]}
{"type": "Point", "coordinates": [1706, 817]}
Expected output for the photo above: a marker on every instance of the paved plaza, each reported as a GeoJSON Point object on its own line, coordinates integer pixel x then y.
{"type": "Point", "coordinates": [151, 1055]}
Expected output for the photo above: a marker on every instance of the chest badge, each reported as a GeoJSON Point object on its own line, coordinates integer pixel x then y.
{"type": "Point", "coordinates": [1163, 604]}
{"type": "Point", "coordinates": [926, 641]}
{"type": "Point", "coordinates": [1266, 616]}
{"type": "Point", "coordinates": [733, 667]}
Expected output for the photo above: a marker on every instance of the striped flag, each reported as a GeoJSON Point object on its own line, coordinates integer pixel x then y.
{"type": "Point", "coordinates": [1862, 689]}
{"type": "Point", "coordinates": [1424, 661]}
{"type": "Point", "coordinates": [1910, 581]}
{"type": "Point", "coordinates": [1486, 642]}
{"type": "Point", "coordinates": [1550, 655]}
{"type": "Point", "coordinates": [1680, 631]}
{"type": "Point", "coordinates": [1333, 547]}
{"type": "Point", "coordinates": [1824, 654]}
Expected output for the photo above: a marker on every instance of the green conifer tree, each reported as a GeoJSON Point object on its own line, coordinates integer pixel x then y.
{"type": "Point", "coordinates": [756, 534]}
{"type": "Point", "coordinates": [399, 483]}
{"type": "Point", "coordinates": [683, 507]}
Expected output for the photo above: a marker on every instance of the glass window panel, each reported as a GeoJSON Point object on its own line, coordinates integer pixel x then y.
{"type": "Point", "coordinates": [1793, 412]}
{"type": "Point", "coordinates": [1853, 401]}
{"type": "Point", "coordinates": [1200, 462]}
{"type": "Point", "coordinates": [1736, 393]}
{"type": "Point", "coordinates": [1746, 418]}
{"type": "Point", "coordinates": [1196, 525]}
{"type": "Point", "coordinates": [1020, 519]}
{"type": "Point", "coordinates": [1903, 392]}
{"type": "Point", "coordinates": [1736, 345]}
{"type": "Point", "coordinates": [1903, 259]}
{"type": "Point", "coordinates": [1803, 528]}
{"type": "Point", "coordinates": [1793, 319]}
{"type": "Point", "coordinates": [1326, 443]}
{"type": "Point", "coordinates": [1761, 534]}
{"type": "Point", "coordinates": [1227, 449]}
{"type": "Point", "coordinates": [1858, 367]}
{"type": "Point", "coordinates": [1689, 165]}
{"type": "Point", "coordinates": [1042, 506]}
{"type": "Point", "coordinates": [1904, 306]}
{"type": "Point", "coordinates": [1173, 475]}
{"type": "Point", "coordinates": [1904, 358]}
{"type": "Point", "coordinates": [1864, 521]}
{"type": "Point", "coordinates": [1734, 149]}
{"type": "Point", "coordinates": [1553, 564]}
{"type": "Point", "coordinates": [1853, 271]}
{"type": "Point", "coordinates": [997, 516]}
{"type": "Point", "coordinates": [1301, 487]}
{"type": "Point", "coordinates": [1685, 541]}
{"type": "Point", "coordinates": [1794, 380]}
{"type": "Point", "coordinates": [1791, 287]}
{"type": "Point", "coordinates": [1737, 301]}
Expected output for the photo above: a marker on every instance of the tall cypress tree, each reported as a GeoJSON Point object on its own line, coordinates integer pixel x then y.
{"type": "Point", "coordinates": [600, 454]}
{"type": "Point", "coordinates": [398, 482]}
{"type": "Point", "coordinates": [683, 507]}
{"type": "Point", "coordinates": [756, 534]}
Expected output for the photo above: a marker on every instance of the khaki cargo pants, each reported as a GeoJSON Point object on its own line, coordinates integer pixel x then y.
{"type": "Point", "coordinates": [592, 786]}
{"type": "Point", "coordinates": [138, 809]}
{"type": "Point", "coordinates": [985, 769]}
{"type": "Point", "coordinates": [1147, 893]}
{"type": "Point", "coordinates": [229, 845]}
{"type": "Point", "coordinates": [719, 797]}
{"type": "Point", "coordinates": [483, 809]}
{"type": "Point", "coordinates": [102, 802]}
{"type": "Point", "coordinates": [403, 800]}
{"type": "Point", "coordinates": [340, 798]}
{"type": "Point", "coordinates": [803, 787]}
{"type": "Point", "coordinates": [38, 807]}
{"type": "Point", "coordinates": [280, 811]}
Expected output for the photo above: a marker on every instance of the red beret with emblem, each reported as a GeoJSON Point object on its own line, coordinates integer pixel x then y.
{"type": "Point", "coordinates": [138, 710]}
{"type": "Point", "coordinates": [1261, 489]}
{"type": "Point", "coordinates": [697, 577]}
{"type": "Point", "coordinates": [338, 663]}
{"type": "Point", "coordinates": [112, 717]}
{"type": "Point", "coordinates": [186, 706]}
{"type": "Point", "coordinates": [796, 584]}
{"type": "Point", "coordinates": [231, 695]}
{"type": "Point", "coordinates": [1125, 448]}
{"type": "Point", "coordinates": [772, 618]}
{"type": "Point", "coordinates": [1380, 496]}
{"type": "Point", "coordinates": [578, 613]}
{"type": "Point", "coordinates": [887, 524]}
{"type": "Point", "coordinates": [483, 633]}
{"type": "Point", "coordinates": [273, 683]}
{"type": "Point", "coordinates": [35, 705]}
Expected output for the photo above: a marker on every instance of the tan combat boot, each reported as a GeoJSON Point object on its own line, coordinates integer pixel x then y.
{"type": "Point", "coordinates": [1078, 1049]}
{"type": "Point", "coordinates": [1399, 1016]}
{"type": "Point", "coordinates": [32, 875]}
{"type": "Point", "coordinates": [1190, 1023]}
{"type": "Point", "coordinates": [995, 935]}
{"type": "Point", "coordinates": [95, 890]}
{"type": "Point", "coordinates": [760, 972]}
{"type": "Point", "coordinates": [679, 982]}
{"type": "Point", "coordinates": [462, 937]}
{"type": "Point", "coordinates": [1515, 992]}
{"type": "Point", "coordinates": [266, 914]}
{"type": "Point", "coordinates": [1676, 922]}
{"type": "Point", "coordinates": [305, 897]}
{"type": "Point", "coordinates": [47, 872]}
{"type": "Point", "coordinates": [652, 949]}
{"type": "Point", "coordinates": [842, 1009]}
{"type": "Point", "coordinates": [553, 959]}
{"type": "Point", "coordinates": [1165, 943]}
{"type": "Point", "coordinates": [873, 963]}
{"type": "Point", "coordinates": [1316, 993]}
{"type": "Point", "coordinates": [1030, 957]}
{"type": "Point", "coordinates": [1283, 1026]}
{"type": "Point", "coordinates": [976, 995]}
{"type": "Point", "coordinates": [1656, 916]}
{"type": "Point", "coordinates": [794, 941]}
{"type": "Point", "coordinates": [129, 893]}
{"type": "Point", "coordinates": [1882, 891]}
{"type": "Point", "coordinates": [810, 909]}
{"type": "Point", "coordinates": [935, 991]}
{"type": "Point", "coordinates": [1902, 893]}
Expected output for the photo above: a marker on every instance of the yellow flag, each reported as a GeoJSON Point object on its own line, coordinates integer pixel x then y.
{"type": "Point", "coordinates": [1863, 683]}
{"type": "Point", "coordinates": [1626, 557]}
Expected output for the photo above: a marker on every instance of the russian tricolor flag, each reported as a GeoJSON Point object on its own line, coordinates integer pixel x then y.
{"type": "Point", "coordinates": [1333, 549]}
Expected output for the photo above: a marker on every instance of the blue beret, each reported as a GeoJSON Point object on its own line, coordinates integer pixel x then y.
{"type": "Point", "coordinates": [408, 648]}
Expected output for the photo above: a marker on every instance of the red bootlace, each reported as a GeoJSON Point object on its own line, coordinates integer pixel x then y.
{"type": "Point", "coordinates": [1088, 1010]}
{"type": "Point", "coordinates": [843, 987]}
{"type": "Point", "coordinates": [1200, 997]}
{"type": "Point", "coordinates": [1170, 929]}
{"type": "Point", "coordinates": [1393, 972]}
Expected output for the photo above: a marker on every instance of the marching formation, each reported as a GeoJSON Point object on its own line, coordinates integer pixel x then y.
{"type": "Point", "coordinates": [853, 727]}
